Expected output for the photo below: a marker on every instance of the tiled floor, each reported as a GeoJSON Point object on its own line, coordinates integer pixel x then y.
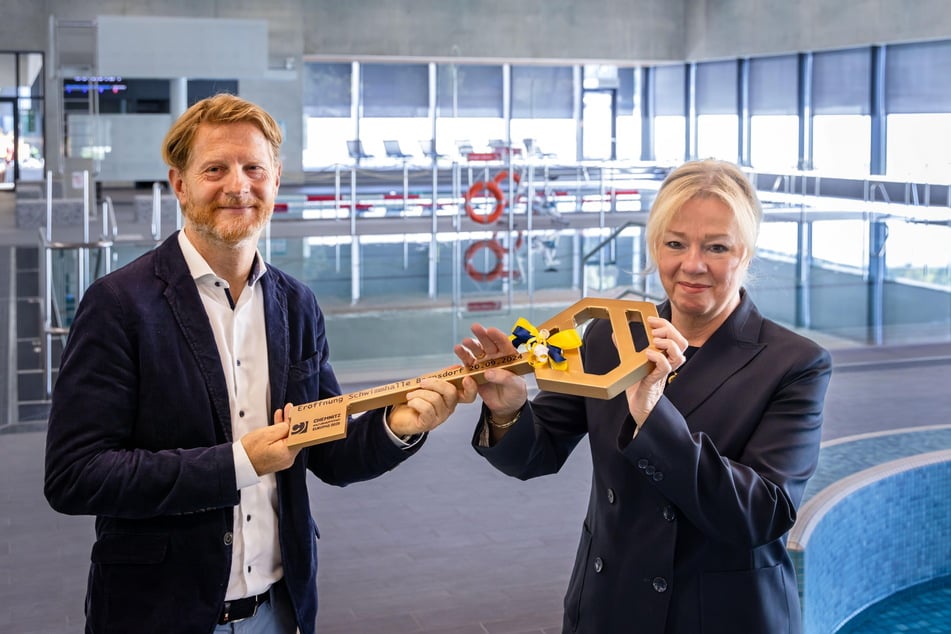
{"type": "Point", "coordinates": [443, 544]}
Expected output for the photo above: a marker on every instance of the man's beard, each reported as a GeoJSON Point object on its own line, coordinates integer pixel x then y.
{"type": "Point", "coordinates": [228, 231]}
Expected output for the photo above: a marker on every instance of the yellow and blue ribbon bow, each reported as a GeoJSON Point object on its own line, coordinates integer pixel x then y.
{"type": "Point", "coordinates": [545, 347]}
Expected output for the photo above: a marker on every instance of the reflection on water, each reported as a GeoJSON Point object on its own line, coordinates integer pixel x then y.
{"type": "Point", "coordinates": [427, 278]}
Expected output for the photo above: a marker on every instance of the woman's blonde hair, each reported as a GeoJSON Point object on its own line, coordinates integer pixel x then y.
{"type": "Point", "coordinates": [708, 178]}
{"type": "Point", "coordinates": [219, 109]}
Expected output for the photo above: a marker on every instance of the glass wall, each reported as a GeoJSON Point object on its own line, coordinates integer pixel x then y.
{"type": "Point", "coordinates": [842, 125]}
{"type": "Point", "coordinates": [629, 129]}
{"type": "Point", "coordinates": [328, 114]}
{"type": "Point", "coordinates": [21, 118]}
{"type": "Point", "coordinates": [670, 121]}
{"type": "Point", "coordinates": [717, 111]}
{"type": "Point", "coordinates": [395, 109]}
{"type": "Point", "coordinates": [469, 108]}
{"type": "Point", "coordinates": [542, 109]}
{"type": "Point", "coordinates": [918, 103]}
{"type": "Point", "coordinates": [774, 113]}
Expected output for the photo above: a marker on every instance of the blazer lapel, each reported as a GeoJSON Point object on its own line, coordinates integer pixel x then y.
{"type": "Point", "coordinates": [275, 319]}
{"type": "Point", "coordinates": [185, 304]}
{"type": "Point", "coordinates": [730, 348]}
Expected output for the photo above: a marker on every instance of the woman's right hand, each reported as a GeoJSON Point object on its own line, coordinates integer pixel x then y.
{"type": "Point", "coordinates": [504, 393]}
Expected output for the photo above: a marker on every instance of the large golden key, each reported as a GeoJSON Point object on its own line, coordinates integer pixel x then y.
{"type": "Point", "coordinates": [326, 420]}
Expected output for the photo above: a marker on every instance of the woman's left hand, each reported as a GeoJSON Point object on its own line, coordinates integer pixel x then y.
{"type": "Point", "coordinates": [428, 407]}
{"type": "Point", "coordinates": [667, 354]}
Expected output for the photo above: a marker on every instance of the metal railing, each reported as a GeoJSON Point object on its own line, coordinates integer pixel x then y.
{"type": "Point", "coordinates": [55, 318]}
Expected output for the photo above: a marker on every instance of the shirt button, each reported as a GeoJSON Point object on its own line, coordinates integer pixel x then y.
{"type": "Point", "coordinates": [237, 361]}
{"type": "Point", "coordinates": [642, 463]}
{"type": "Point", "coordinates": [660, 584]}
{"type": "Point", "coordinates": [649, 469]}
{"type": "Point", "coordinates": [598, 564]}
{"type": "Point", "coordinates": [610, 496]}
{"type": "Point", "coordinates": [218, 284]}
{"type": "Point", "coordinates": [229, 538]}
{"type": "Point", "coordinates": [249, 517]}
{"type": "Point", "coordinates": [669, 514]}
{"type": "Point", "coordinates": [241, 414]}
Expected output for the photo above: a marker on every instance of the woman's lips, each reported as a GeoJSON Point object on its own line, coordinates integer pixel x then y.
{"type": "Point", "coordinates": [693, 288]}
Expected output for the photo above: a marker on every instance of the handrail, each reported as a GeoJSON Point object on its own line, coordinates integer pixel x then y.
{"type": "Point", "coordinates": [587, 256]}
{"type": "Point", "coordinates": [642, 294]}
{"type": "Point", "coordinates": [880, 187]}
{"type": "Point", "coordinates": [156, 211]}
{"type": "Point", "coordinates": [110, 226]}
{"type": "Point", "coordinates": [52, 322]}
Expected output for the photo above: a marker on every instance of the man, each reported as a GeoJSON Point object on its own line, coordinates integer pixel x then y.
{"type": "Point", "coordinates": [168, 415]}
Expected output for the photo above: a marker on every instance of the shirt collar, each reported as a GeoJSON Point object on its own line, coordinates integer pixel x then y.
{"type": "Point", "coordinates": [199, 268]}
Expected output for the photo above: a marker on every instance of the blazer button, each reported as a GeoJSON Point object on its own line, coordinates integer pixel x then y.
{"type": "Point", "coordinates": [229, 538]}
{"type": "Point", "coordinates": [660, 584]}
{"type": "Point", "coordinates": [658, 476]}
{"type": "Point", "coordinates": [669, 514]}
{"type": "Point", "coordinates": [649, 469]}
{"type": "Point", "coordinates": [598, 564]}
{"type": "Point", "coordinates": [642, 463]}
{"type": "Point", "coordinates": [610, 496]}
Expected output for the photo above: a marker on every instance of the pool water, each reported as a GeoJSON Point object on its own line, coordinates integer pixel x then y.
{"type": "Point", "coordinates": [924, 608]}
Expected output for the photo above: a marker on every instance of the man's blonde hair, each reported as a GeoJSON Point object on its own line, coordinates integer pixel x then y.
{"type": "Point", "coordinates": [219, 109]}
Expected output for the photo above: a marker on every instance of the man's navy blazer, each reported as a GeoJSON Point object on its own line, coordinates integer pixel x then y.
{"type": "Point", "coordinates": [140, 436]}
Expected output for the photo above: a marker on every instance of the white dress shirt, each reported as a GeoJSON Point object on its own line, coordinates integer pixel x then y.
{"type": "Point", "coordinates": [239, 330]}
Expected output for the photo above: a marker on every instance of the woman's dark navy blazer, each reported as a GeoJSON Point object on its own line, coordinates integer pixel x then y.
{"type": "Point", "coordinates": [686, 523]}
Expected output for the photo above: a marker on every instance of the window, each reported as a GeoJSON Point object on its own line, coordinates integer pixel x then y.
{"type": "Point", "coordinates": [395, 107]}
{"type": "Point", "coordinates": [327, 100]}
{"type": "Point", "coordinates": [774, 113]}
{"type": "Point", "coordinates": [842, 132]}
{"type": "Point", "coordinates": [918, 102]}
{"type": "Point", "coordinates": [468, 107]}
{"type": "Point", "coordinates": [717, 120]}
{"type": "Point", "coordinates": [629, 114]}
{"type": "Point", "coordinates": [670, 121]}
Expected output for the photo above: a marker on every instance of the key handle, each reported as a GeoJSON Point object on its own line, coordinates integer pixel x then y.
{"type": "Point", "coordinates": [633, 365]}
{"type": "Point", "coordinates": [326, 420]}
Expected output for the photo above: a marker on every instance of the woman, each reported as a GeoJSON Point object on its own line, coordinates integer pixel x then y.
{"type": "Point", "coordinates": [700, 466]}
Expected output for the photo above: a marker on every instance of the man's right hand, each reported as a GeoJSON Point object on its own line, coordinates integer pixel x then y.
{"type": "Point", "coordinates": [267, 447]}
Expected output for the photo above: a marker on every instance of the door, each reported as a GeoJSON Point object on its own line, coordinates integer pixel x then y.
{"type": "Point", "coordinates": [598, 110]}
{"type": "Point", "coordinates": [8, 140]}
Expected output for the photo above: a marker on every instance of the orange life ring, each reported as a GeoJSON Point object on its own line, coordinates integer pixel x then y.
{"type": "Point", "coordinates": [503, 176]}
{"type": "Point", "coordinates": [496, 271]}
{"type": "Point", "coordinates": [493, 188]}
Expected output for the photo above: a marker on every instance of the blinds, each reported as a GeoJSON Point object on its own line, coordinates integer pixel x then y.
{"type": "Point", "coordinates": [774, 85]}
{"type": "Point", "coordinates": [918, 77]}
{"type": "Point", "coordinates": [716, 87]}
{"type": "Point", "coordinates": [395, 90]}
{"type": "Point", "coordinates": [669, 90]}
{"type": "Point", "coordinates": [841, 82]}
{"type": "Point", "coordinates": [326, 90]}
{"type": "Point", "coordinates": [477, 90]}
{"type": "Point", "coordinates": [626, 97]}
{"type": "Point", "coordinates": [542, 92]}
